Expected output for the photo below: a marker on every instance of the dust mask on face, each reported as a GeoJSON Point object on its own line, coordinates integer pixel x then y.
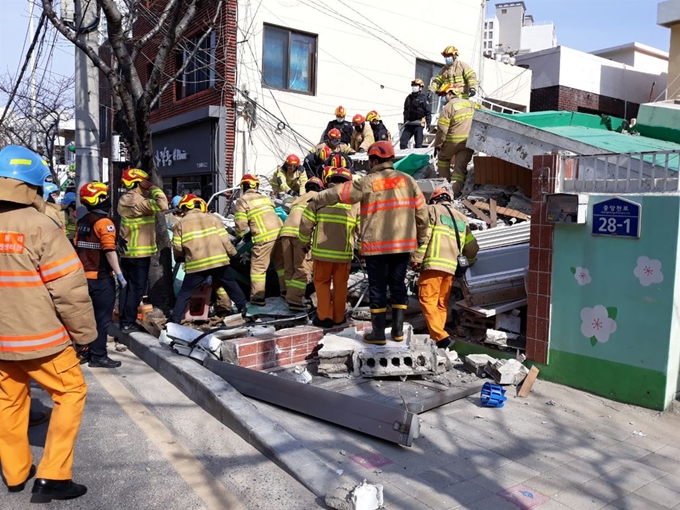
{"type": "Point", "coordinates": [340, 119]}
{"type": "Point", "coordinates": [415, 89]}
{"type": "Point", "coordinates": [448, 60]}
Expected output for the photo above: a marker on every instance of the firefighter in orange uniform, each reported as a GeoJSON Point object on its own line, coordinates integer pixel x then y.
{"type": "Point", "coordinates": [448, 235]}
{"type": "Point", "coordinates": [332, 246]}
{"type": "Point", "coordinates": [393, 225]}
{"type": "Point", "coordinates": [45, 309]}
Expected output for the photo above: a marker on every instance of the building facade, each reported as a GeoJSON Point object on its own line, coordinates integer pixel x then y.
{"type": "Point", "coordinates": [640, 56]}
{"type": "Point", "coordinates": [513, 31]}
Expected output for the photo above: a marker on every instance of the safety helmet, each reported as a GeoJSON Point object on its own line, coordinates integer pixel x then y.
{"type": "Point", "coordinates": [48, 189]}
{"type": "Point", "coordinates": [440, 194]}
{"type": "Point", "coordinates": [251, 180]}
{"type": "Point", "coordinates": [340, 111]}
{"type": "Point", "coordinates": [175, 200]}
{"type": "Point", "coordinates": [334, 135]}
{"type": "Point", "coordinates": [24, 165]}
{"type": "Point", "coordinates": [372, 115]}
{"type": "Point", "coordinates": [382, 149]}
{"type": "Point", "coordinates": [448, 87]}
{"type": "Point", "coordinates": [418, 82]}
{"type": "Point", "coordinates": [314, 181]}
{"type": "Point", "coordinates": [68, 199]}
{"type": "Point", "coordinates": [293, 160]}
{"type": "Point", "coordinates": [450, 51]}
{"type": "Point", "coordinates": [338, 160]}
{"type": "Point", "coordinates": [340, 174]}
{"type": "Point", "coordinates": [324, 153]}
{"type": "Point", "coordinates": [93, 193]}
{"type": "Point", "coordinates": [191, 201]}
{"type": "Point", "coordinates": [133, 175]}
{"type": "Point", "coordinates": [358, 119]}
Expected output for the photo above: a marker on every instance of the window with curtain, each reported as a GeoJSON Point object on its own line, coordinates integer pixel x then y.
{"type": "Point", "coordinates": [199, 74]}
{"type": "Point", "coordinates": [289, 60]}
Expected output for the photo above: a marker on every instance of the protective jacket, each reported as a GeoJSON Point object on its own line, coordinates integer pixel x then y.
{"type": "Point", "coordinates": [455, 121]}
{"type": "Point", "coordinates": [393, 209]}
{"type": "Point", "coordinates": [55, 212]}
{"type": "Point", "coordinates": [380, 132]}
{"type": "Point", "coordinates": [71, 222]}
{"type": "Point", "coordinates": [95, 236]}
{"type": "Point", "coordinates": [200, 240]}
{"type": "Point", "coordinates": [292, 223]}
{"type": "Point", "coordinates": [362, 139]}
{"type": "Point", "coordinates": [440, 249]}
{"type": "Point", "coordinates": [345, 128]}
{"type": "Point", "coordinates": [138, 221]}
{"type": "Point", "coordinates": [417, 108]}
{"type": "Point", "coordinates": [333, 228]}
{"type": "Point", "coordinates": [256, 212]}
{"type": "Point", "coordinates": [341, 147]}
{"type": "Point", "coordinates": [459, 74]}
{"type": "Point", "coordinates": [43, 290]}
{"type": "Point", "coordinates": [285, 182]}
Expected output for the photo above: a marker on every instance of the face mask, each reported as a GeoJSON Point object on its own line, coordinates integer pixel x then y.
{"type": "Point", "coordinates": [333, 143]}
{"type": "Point", "coordinates": [415, 89]}
{"type": "Point", "coordinates": [448, 60]}
{"type": "Point", "coordinates": [57, 199]}
{"type": "Point", "coordinates": [359, 128]}
{"type": "Point", "coordinates": [340, 119]}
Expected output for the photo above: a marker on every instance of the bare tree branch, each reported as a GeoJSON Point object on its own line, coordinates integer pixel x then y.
{"type": "Point", "coordinates": [156, 28]}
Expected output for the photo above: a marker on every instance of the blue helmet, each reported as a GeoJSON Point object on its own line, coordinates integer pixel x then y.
{"type": "Point", "coordinates": [23, 165]}
{"type": "Point", "coordinates": [175, 200]}
{"type": "Point", "coordinates": [48, 189]}
{"type": "Point", "coordinates": [68, 199]}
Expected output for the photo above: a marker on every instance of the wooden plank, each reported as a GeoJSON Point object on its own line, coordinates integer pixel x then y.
{"type": "Point", "coordinates": [492, 210]}
{"type": "Point", "coordinates": [528, 383]}
{"type": "Point", "coordinates": [476, 211]}
{"type": "Point", "coordinates": [503, 211]}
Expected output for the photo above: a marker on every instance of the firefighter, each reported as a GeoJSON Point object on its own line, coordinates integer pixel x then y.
{"type": "Point", "coordinates": [393, 224]}
{"type": "Point", "coordinates": [45, 310]}
{"type": "Point", "coordinates": [95, 243]}
{"type": "Point", "coordinates": [68, 202]}
{"type": "Point", "coordinates": [255, 213]}
{"type": "Point", "coordinates": [340, 124]}
{"type": "Point", "coordinates": [200, 240]}
{"type": "Point", "coordinates": [362, 136]}
{"type": "Point", "coordinates": [52, 208]}
{"type": "Point", "coordinates": [296, 262]}
{"type": "Point", "coordinates": [332, 246]}
{"type": "Point", "coordinates": [314, 162]}
{"type": "Point", "coordinates": [380, 132]}
{"type": "Point", "coordinates": [453, 129]}
{"type": "Point", "coordinates": [137, 209]}
{"type": "Point", "coordinates": [448, 235]}
{"type": "Point", "coordinates": [289, 178]}
{"type": "Point", "coordinates": [417, 115]}
{"type": "Point", "coordinates": [455, 72]}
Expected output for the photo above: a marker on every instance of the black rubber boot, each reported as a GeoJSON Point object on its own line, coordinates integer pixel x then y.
{"type": "Point", "coordinates": [45, 490]}
{"type": "Point", "coordinates": [103, 362]}
{"type": "Point", "coordinates": [444, 343]}
{"type": "Point", "coordinates": [377, 334]}
{"type": "Point", "coordinates": [398, 312]}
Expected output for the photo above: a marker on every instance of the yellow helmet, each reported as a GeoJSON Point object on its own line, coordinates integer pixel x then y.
{"type": "Point", "coordinates": [450, 50]}
{"type": "Point", "coordinates": [449, 87]}
{"type": "Point", "coordinates": [93, 193]}
{"type": "Point", "coordinates": [192, 201]}
{"type": "Point", "coordinates": [372, 115]}
{"type": "Point", "coordinates": [132, 176]}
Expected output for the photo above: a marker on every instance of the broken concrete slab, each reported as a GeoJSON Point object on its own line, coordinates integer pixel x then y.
{"type": "Point", "coordinates": [509, 322]}
{"type": "Point", "coordinates": [476, 363]}
{"type": "Point", "coordinates": [499, 338]}
{"type": "Point", "coordinates": [507, 371]}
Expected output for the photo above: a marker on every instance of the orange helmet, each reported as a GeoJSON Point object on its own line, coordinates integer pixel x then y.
{"type": "Point", "coordinates": [93, 193]}
{"type": "Point", "coordinates": [382, 149]}
{"type": "Point", "coordinates": [335, 135]}
{"type": "Point", "coordinates": [448, 87]}
{"type": "Point", "coordinates": [358, 119]}
{"type": "Point", "coordinates": [251, 180]}
{"type": "Point", "coordinates": [293, 160]}
{"type": "Point", "coordinates": [340, 111]}
{"type": "Point", "coordinates": [372, 115]}
{"type": "Point", "coordinates": [450, 51]}
{"type": "Point", "coordinates": [324, 153]}
{"type": "Point", "coordinates": [440, 194]}
{"type": "Point", "coordinates": [191, 201]}
{"type": "Point", "coordinates": [132, 176]}
{"type": "Point", "coordinates": [418, 82]}
{"type": "Point", "coordinates": [314, 180]}
{"type": "Point", "coordinates": [338, 160]}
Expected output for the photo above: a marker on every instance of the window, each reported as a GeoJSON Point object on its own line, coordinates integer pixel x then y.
{"type": "Point", "coordinates": [486, 35]}
{"type": "Point", "coordinates": [486, 24]}
{"type": "Point", "coordinates": [490, 25]}
{"type": "Point", "coordinates": [154, 90]}
{"type": "Point", "coordinates": [199, 70]}
{"type": "Point", "coordinates": [104, 126]}
{"type": "Point", "coordinates": [504, 11]}
{"type": "Point", "coordinates": [426, 69]}
{"type": "Point", "coordinates": [289, 60]}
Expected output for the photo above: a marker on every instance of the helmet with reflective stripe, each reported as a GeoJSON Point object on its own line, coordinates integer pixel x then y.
{"type": "Point", "coordinates": [68, 199]}
{"type": "Point", "coordinates": [131, 176]}
{"type": "Point", "coordinates": [450, 50]}
{"type": "Point", "coordinates": [340, 111]}
{"type": "Point", "coordinates": [440, 194]}
{"type": "Point", "coordinates": [340, 175]}
{"type": "Point", "coordinates": [191, 201]}
{"type": "Point", "coordinates": [324, 153]}
{"type": "Point", "coordinates": [418, 82]}
{"type": "Point", "coordinates": [382, 149]}
{"type": "Point", "coordinates": [449, 87]}
{"type": "Point", "coordinates": [372, 115]}
{"type": "Point", "coordinates": [358, 119]}
{"type": "Point", "coordinates": [93, 193]}
{"type": "Point", "coordinates": [250, 180]}
{"type": "Point", "coordinates": [48, 189]}
{"type": "Point", "coordinates": [338, 160]}
{"type": "Point", "coordinates": [23, 165]}
{"type": "Point", "coordinates": [334, 135]}
{"type": "Point", "coordinates": [293, 160]}
{"type": "Point", "coordinates": [314, 182]}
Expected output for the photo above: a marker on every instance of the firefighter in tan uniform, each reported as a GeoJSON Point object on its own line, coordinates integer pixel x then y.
{"type": "Point", "coordinates": [330, 231]}
{"type": "Point", "coordinates": [255, 213]}
{"type": "Point", "coordinates": [362, 136]}
{"type": "Point", "coordinates": [45, 309]}
{"type": "Point", "coordinates": [297, 264]}
{"type": "Point", "coordinates": [453, 129]}
{"type": "Point", "coordinates": [448, 235]}
{"type": "Point", "coordinates": [68, 203]}
{"type": "Point", "coordinates": [455, 72]}
{"type": "Point", "coordinates": [393, 224]}
{"type": "Point", "coordinates": [290, 178]}
{"type": "Point", "coordinates": [200, 240]}
{"type": "Point", "coordinates": [52, 208]}
{"type": "Point", "coordinates": [137, 209]}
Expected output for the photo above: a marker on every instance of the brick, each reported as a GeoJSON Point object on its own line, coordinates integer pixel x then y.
{"type": "Point", "coordinates": [532, 284]}
{"type": "Point", "coordinates": [544, 284]}
{"type": "Point", "coordinates": [542, 329]}
{"type": "Point", "coordinates": [544, 261]}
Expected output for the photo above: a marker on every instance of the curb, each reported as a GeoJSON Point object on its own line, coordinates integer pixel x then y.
{"type": "Point", "coordinates": [233, 410]}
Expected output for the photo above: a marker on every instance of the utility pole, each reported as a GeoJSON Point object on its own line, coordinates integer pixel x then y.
{"type": "Point", "coordinates": [31, 30]}
{"type": "Point", "coordinates": [87, 96]}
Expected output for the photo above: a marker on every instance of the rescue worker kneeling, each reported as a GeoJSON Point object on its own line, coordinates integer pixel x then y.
{"type": "Point", "coordinates": [332, 245]}
{"type": "Point", "coordinates": [448, 236]}
{"type": "Point", "coordinates": [200, 240]}
{"type": "Point", "coordinates": [45, 309]}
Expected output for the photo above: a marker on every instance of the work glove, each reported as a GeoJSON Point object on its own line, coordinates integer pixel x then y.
{"type": "Point", "coordinates": [472, 93]}
{"type": "Point", "coordinates": [244, 258]}
{"type": "Point", "coordinates": [121, 280]}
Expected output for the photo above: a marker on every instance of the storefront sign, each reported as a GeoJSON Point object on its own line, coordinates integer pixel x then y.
{"type": "Point", "coordinates": [185, 150]}
{"type": "Point", "coordinates": [617, 217]}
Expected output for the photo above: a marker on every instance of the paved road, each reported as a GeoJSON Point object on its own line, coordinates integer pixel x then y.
{"type": "Point", "coordinates": [144, 445]}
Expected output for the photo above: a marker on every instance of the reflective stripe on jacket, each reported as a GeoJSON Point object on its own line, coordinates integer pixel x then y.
{"type": "Point", "coordinates": [292, 223]}
{"type": "Point", "coordinates": [333, 228]}
{"type": "Point", "coordinates": [138, 221]}
{"type": "Point", "coordinates": [455, 121]}
{"type": "Point", "coordinates": [256, 212]}
{"type": "Point", "coordinates": [458, 73]}
{"type": "Point", "coordinates": [200, 240]}
{"type": "Point", "coordinates": [284, 182]}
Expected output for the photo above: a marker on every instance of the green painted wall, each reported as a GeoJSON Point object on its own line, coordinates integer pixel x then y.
{"type": "Point", "coordinates": [612, 311]}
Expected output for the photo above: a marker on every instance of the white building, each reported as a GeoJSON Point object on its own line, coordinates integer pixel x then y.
{"type": "Point", "coordinates": [515, 32]}
{"type": "Point", "coordinates": [637, 55]}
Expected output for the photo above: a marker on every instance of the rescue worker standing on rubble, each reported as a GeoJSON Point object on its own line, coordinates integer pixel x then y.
{"type": "Point", "coordinates": [296, 262]}
{"type": "Point", "coordinates": [255, 215]}
{"type": "Point", "coordinates": [68, 202]}
{"type": "Point", "coordinates": [137, 209]}
{"type": "Point", "coordinates": [448, 236]}
{"type": "Point", "coordinates": [379, 129]}
{"type": "Point", "coordinates": [393, 225]}
{"type": "Point", "coordinates": [200, 240]}
{"type": "Point", "coordinates": [455, 72]}
{"type": "Point", "coordinates": [362, 136]}
{"type": "Point", "coordinates": [289, 178]}
{"type": "Point", "coordinates": [96, 247]}
{"type": "Point", "coordinates": [453, 129]}
{"type": "Point", "coordinates": [52, 208]}
{"type": "Point", "coordinates": [330, 231]}
{"type": "Point", "coordinates": [340, 124]}
{"type": "Point", "coordinates": [417, 115]}
{"type": "Point", "coordinates": [45, 309]}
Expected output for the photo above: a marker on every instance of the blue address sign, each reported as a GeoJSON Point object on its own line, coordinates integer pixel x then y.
{"type": "Point", "coordinates": [617, 217]}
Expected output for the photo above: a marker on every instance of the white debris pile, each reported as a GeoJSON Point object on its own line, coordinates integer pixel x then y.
{"type": "Point", "coordinates": [504, 371]}
{"type": "Point", "coordinates": [364, 496]}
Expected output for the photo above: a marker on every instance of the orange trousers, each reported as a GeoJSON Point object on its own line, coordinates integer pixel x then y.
{"type": "Point", "coordinates": [331, 306]}
{"type": "Point", "coordinates": [60, 375]}
{"type": "Point", "coordinates": [434, 290]}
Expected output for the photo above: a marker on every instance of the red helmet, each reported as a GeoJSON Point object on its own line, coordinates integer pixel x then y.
{"type": "Point", "coordinates": [372, 115]}
{"type": "Point", "coordinates": [324, 153]}
{"type": "Point", "coordinates": [249, 179]}
{"type": "Point", "coordinates": [340, 111]}
{"type": "Point", "coordinates": [132, 176]}
{"type": "Point", "coordinates": [334, 135]}
{"type": "Point", "coordinates": [192, 201]}
{"type": "Point", "coordinates": [293, 160]}
{"type": "Point", "coordinates": [93, 193]}
{"type": "Point", "coordinates": [338, 160]}
{"type": "Point", "coordinates": [358, 119]}
{"type": "Point", "coordinates": [382, 150]}
{"type": "Point", "coordinates": [314, 180]}
{"type": "Point", "coordinates": [341, 173]}
{"type": "Point", "coordinates": [449, 87]}
{"type": "Point", "coordinates": [440, 194]}
{"type": "Point", "coordinates": [327, 172]}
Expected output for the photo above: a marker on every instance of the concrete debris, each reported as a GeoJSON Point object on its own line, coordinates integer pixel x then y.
{"type": "Point", "coordinates": [364, 496]}
{"type": "Point", "coordinates": [179, 338]}
{"type": "Point", "coordinates": [551, 402]}
{"type": "Point", "coordinates": [640, 434]}
{"type": "Point", "coordinates": [520, 357]}
{"type": "Point", "coordinates": [499, 338]}
{"type": "Point", "coordinates": [508, 322]}
{"type": "Point", "coordinates": [476, 363]}
{"type": "Point", "coordinates": [507, 371]}
{"type": "Point", "coordinates": [302, 375]}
